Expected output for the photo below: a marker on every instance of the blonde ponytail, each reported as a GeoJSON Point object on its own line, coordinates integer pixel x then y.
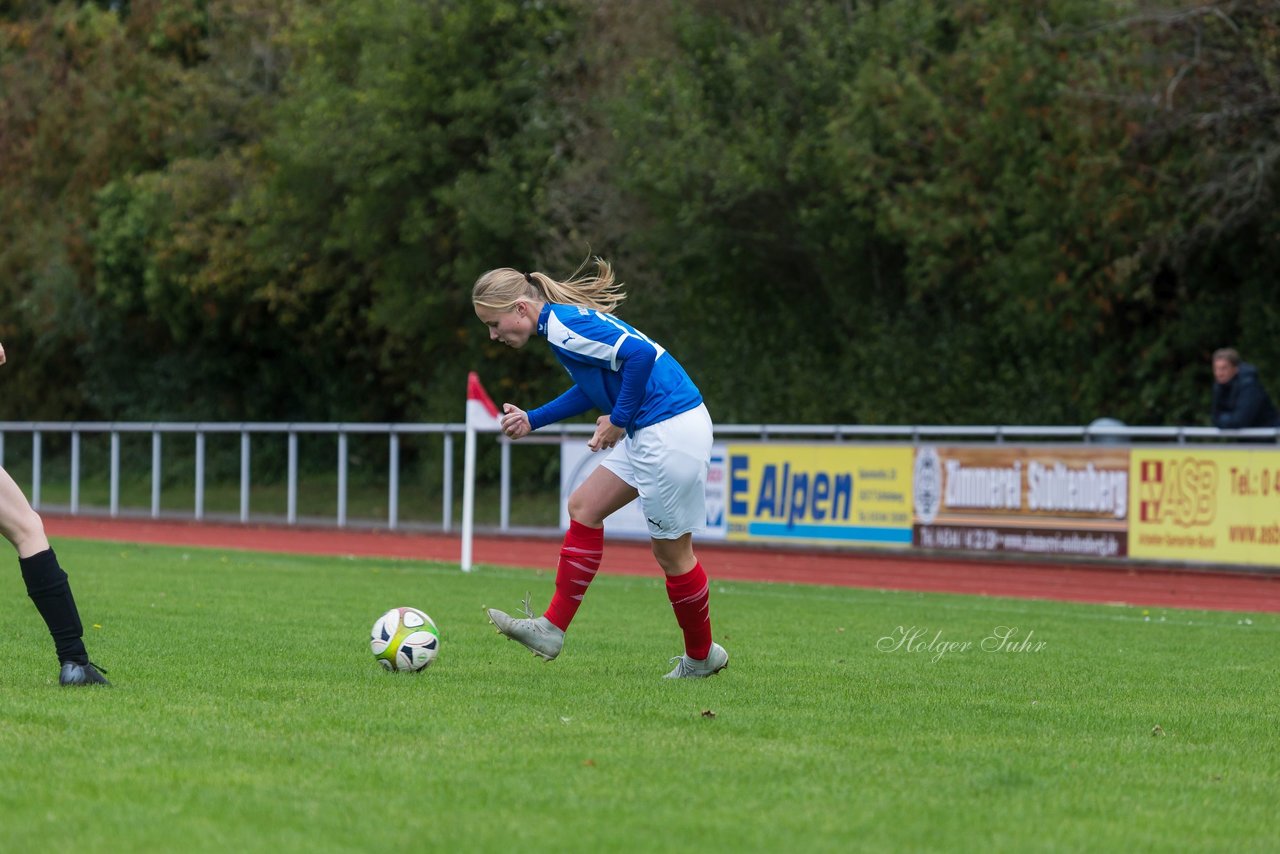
{"type": "Point", "coordinates": [500, 289]}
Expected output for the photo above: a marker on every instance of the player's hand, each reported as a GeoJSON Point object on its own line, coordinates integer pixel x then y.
{"type": "Point", "coordinates": [1, 354]}
{"type": "Point", "coordinates": [515, 421]}
{"type": "Point", "coordinates": [606, 436]}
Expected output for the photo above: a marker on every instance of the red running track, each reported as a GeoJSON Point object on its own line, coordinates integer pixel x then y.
{"type": "Point", "coordinates": [1149, 586]}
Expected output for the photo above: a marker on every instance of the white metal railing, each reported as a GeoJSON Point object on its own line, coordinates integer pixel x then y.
{"type": "Point", "coordinates": [1097, 432]}
{"type": "Point", "coordinates": [200, 430]}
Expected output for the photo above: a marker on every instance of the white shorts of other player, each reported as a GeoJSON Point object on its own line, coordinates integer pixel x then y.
{"type": "Point", "coordinates": [667, 463]}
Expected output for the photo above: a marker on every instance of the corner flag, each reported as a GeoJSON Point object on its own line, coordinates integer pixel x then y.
{"type": "Point", "coordinates": [482, 415]}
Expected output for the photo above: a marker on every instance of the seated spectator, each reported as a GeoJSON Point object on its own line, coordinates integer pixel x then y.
{"type": "Point", "coordinates": [1239, 400]}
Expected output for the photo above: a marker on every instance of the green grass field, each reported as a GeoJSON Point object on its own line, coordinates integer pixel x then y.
{"type": "Point", "coordinates": [247, 715]}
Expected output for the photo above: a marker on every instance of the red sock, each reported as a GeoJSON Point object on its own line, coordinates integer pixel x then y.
{"type": "Point", "coordinates": [689, 599]}
{"type": "Point", "coordinates": [579, 560]}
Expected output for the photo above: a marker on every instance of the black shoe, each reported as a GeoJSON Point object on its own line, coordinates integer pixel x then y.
{"type": "Point", "coordinates": [81, 674]}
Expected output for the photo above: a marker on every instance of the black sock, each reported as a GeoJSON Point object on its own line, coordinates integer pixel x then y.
{"type": "Point", "coordinates": [48, 588]}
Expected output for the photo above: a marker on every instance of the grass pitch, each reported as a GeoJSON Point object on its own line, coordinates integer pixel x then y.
{"type": "Point", "coordinates": [248, 714]}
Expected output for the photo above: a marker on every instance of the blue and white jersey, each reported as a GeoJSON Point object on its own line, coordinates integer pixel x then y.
{"type": "Point", "coordinates": [615, 368]}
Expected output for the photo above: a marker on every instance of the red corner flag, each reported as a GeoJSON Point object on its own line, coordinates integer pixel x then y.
{"type": "Point", "coordinates": [482, 414]}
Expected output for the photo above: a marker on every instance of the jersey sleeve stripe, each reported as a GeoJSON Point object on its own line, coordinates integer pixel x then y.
{"type": "Point", "coordinates": [560, 335]}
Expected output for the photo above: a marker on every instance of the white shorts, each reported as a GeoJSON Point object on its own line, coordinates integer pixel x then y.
{"type": "Point", "coordinates": [667, 464]}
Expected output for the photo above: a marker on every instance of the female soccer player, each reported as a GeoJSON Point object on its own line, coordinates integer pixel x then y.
{"type": "Point", "coordinates": [656, 425]}
{"type": "Point", "coordinates": [46, 581]}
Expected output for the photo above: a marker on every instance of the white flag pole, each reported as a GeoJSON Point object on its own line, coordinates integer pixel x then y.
{"type": "Point", "coordinates": [468, 494]}
{"type": "Point", "coordinates": [482, 414]}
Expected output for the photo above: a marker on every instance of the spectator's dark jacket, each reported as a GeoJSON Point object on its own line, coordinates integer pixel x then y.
{"type": "Point", "coordinates": [1243, 402]}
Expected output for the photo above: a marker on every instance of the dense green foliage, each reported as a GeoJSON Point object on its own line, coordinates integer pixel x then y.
{"type": "Point", "coordinates": [247, 714]}
{"type": "Point", "coordinates": [876, 212]}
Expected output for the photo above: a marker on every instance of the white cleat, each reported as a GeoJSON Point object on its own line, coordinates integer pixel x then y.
{"type": "Point", "coordinates": [691, 668]}
{"type": "Point", "coordinates": [538, 635]}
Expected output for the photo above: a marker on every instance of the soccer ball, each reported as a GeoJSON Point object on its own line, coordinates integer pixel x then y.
{"type": "Point", "coordinates": [404, 639]}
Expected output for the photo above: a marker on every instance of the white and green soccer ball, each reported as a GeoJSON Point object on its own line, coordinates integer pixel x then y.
{"type": "Point", "coordinates": [405, 639]}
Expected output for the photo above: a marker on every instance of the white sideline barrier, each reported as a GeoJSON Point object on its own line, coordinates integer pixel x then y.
{"type": "Point", "coordinates": [1240, 522]}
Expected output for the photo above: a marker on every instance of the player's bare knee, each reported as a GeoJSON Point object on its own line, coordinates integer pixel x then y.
{"type": "Point", "coordinates": [25, 529]}
{"type": "Point", "coordinates": [669, 566]}
{"type": "Point", "coordinates": [674, 556]}
{"type": "Point", "coordinates": [583, 513]}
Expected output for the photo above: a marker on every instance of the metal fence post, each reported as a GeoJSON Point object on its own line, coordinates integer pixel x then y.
{"type": "Point", "coordinates": [35, 469]}
{"type": "Point", "coordinates": [244, 475]}
{"type": "Point", "coordinates": [393, 481]}
{"type": "Point", "coordinates": [199, 507]}
{"type": "Point", "coordinates": [75, 472]}
{"type": "Point", "coordinates": [447, 499]}
{"type": "Point", "coordinates": [115, 473]}
{"type": "Point", "coordinates": [155, 474]}
{"type": "Point", "coordinates": [342, 480]}
{"type": "Point", "coordinates": [504, 501]}
{"type": "Point", "coordinates": [292, 487]}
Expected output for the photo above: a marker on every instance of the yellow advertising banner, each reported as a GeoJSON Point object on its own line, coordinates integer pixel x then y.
{"type": "Point", "coordinates": [835, 494]}
{"type": "Point", "coordinates": [1206, 506]}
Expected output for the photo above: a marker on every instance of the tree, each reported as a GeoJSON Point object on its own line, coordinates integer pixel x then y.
{"type": "Point", "coordinates": [82, 99]}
